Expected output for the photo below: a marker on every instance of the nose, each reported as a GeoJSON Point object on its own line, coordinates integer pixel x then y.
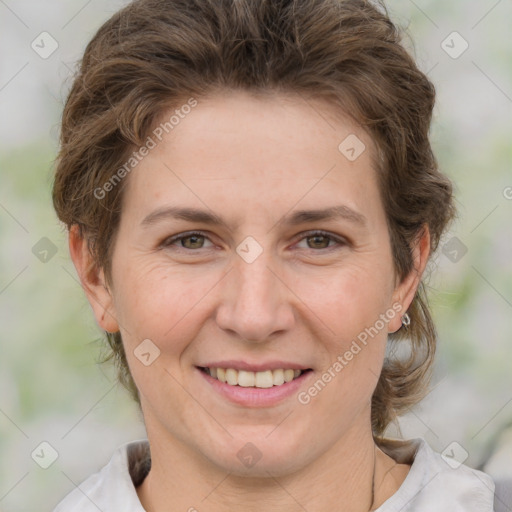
{"type": "Point", "coordinates": [256, 302]}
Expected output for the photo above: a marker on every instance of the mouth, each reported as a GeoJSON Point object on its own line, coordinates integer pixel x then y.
{"type": "Point", "coordinates": [263, 379]}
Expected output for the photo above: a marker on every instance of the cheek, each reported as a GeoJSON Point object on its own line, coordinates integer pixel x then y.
{"type": "Point", "coordinates": [157, 301]}
{"type": "Point", "coordinates": [350, 306]}
{"type": "Point", "coordinates": [348, 299]}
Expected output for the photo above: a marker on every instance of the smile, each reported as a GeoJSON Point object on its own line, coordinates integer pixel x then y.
{"type": "Point", "coordinates": [248, 379]}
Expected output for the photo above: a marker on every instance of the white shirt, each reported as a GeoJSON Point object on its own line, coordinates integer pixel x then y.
{"type": "Point", "coordinates": [431, 485]}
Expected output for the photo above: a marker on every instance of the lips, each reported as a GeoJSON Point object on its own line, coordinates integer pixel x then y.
{"type": "Point", "coordinates": [264, 379]}
{"type": "Point", "coordinates": [254, 375]}
{"type": "Point", "coordinates": [263, 393]}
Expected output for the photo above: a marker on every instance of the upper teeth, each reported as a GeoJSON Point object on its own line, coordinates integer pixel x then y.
{"type": "Point", "coordinates": [265, 379]}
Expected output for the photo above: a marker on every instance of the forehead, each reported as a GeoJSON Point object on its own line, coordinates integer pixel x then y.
{"type": "Point", "coordinates": [273, 150]}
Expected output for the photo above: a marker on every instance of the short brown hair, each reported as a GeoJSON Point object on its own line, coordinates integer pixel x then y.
{"type": "Point", "coordinates": [153, 54]}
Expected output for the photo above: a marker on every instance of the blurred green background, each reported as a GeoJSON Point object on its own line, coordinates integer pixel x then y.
{"type": "Point", "coordinates": [51, 388]}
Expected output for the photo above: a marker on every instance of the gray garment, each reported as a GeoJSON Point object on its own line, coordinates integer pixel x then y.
{"type": "Point", "coordinates": [432, 484]}
{"type": "Point", "coordinates": [503, 496]}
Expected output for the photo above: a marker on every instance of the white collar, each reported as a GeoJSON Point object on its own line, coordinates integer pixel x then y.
{"type": "Point", "coordinates": [434, 485]}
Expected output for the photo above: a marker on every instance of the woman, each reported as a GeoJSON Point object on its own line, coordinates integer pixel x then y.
{"type": "Point", "coordinates": [252, 201]}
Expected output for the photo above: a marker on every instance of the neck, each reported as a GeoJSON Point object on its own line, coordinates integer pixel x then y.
{"type": "Point", "coordinates": [343, 475]}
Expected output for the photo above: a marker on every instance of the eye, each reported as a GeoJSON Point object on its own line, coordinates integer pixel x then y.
{"type": "Point", "coordinates": [321, 240]}
{"type": "Point", "coordinates": [190, 241]}
{"type": "Point", "coordinates": [196, 240]}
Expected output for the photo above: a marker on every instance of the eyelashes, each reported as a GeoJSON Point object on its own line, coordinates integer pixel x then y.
{"type": "Point", "coordinates": [338, 241]}
{"type": "Point", "coordinates": [199, 236]}
{"type": "Point", "coordinates": [169, 242]}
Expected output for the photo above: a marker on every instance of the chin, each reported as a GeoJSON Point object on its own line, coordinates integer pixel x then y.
{"type": "Point", "coordinates": [259, 455]}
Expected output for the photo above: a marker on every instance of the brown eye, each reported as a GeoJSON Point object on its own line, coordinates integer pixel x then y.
{"type": "Point", "coordinates": [189, 241]}
{"type": "Point", "coordinates": [318, 240]}
{"type": "Point", "coordinates": [195, 241]}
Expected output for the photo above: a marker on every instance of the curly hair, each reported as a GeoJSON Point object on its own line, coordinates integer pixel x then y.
{"type": "Point", "coordinates": [153, 54]}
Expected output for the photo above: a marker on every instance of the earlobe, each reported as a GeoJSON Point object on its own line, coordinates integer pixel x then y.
{"type": "Point", "coordinates": [406, 290]}
{"type": "Point", "coordinates": [93, 281]}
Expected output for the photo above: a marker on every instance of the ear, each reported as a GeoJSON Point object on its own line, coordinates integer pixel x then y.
{"type": "Point", "coordinates": [405, 291]}
{"type": "Point", "coordinates": [93, 281]}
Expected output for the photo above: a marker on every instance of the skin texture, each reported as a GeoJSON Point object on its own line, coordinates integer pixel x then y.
{"type": "Point", "coordinates": [253, 161]}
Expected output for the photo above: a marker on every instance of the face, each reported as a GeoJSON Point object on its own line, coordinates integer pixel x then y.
{"type": "Point", "coordinates": [248, 280]}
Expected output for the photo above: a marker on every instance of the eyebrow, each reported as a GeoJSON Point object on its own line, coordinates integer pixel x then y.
{"type": "Point", "coordinates": [297, 217]}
